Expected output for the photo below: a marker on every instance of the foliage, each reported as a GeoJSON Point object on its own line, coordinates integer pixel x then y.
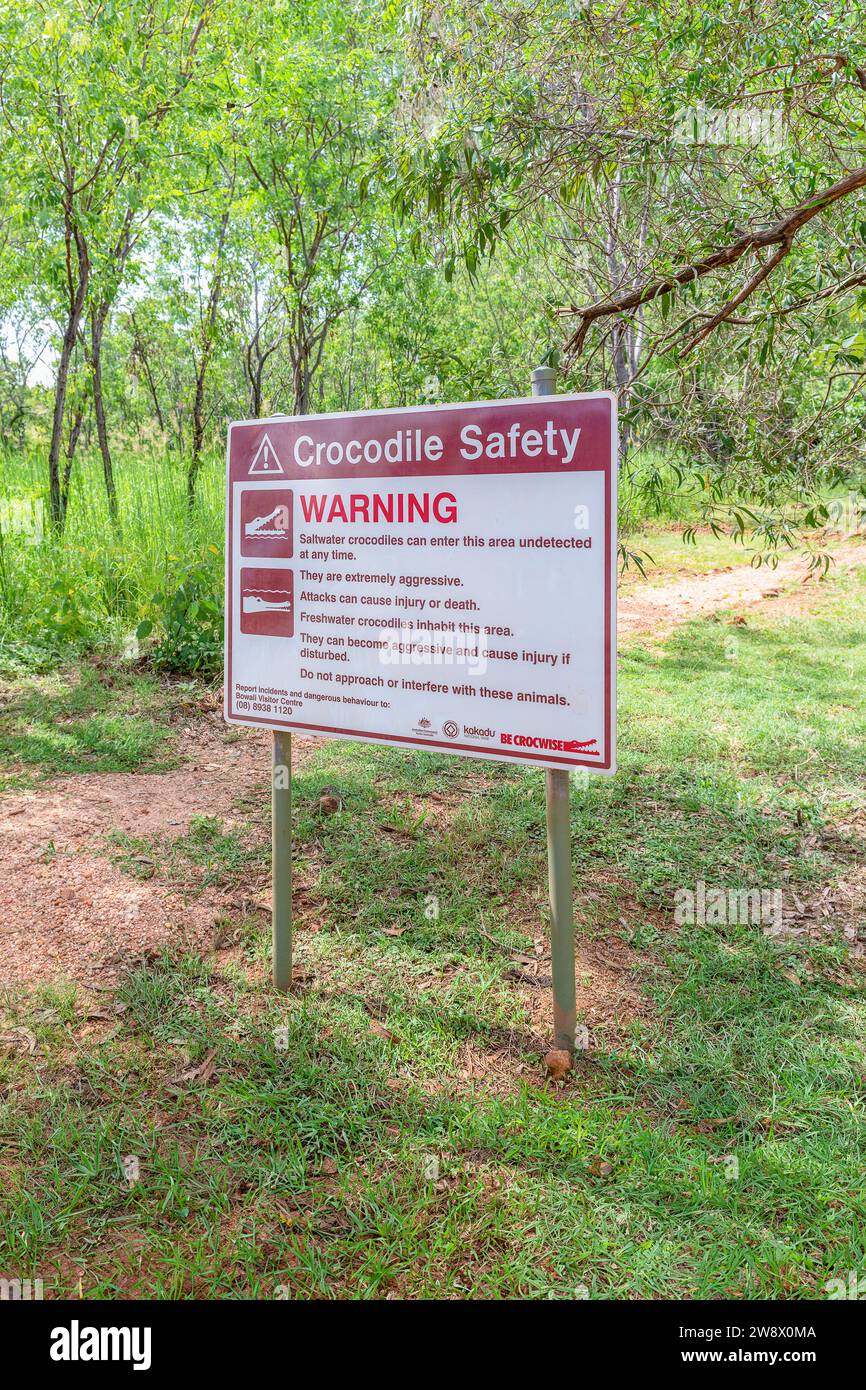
{"type": "Point", "coordinates": [212, 213]}
{"type": "Point", "coordinates": [712, 123]}
{"type": "Point", "coordinates": [190, 618]}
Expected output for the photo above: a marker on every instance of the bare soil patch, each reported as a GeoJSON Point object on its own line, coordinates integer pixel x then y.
{"type": "Point", "coordinates": [67, 912]}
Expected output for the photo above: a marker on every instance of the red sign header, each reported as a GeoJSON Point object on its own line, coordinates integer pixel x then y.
{"type": "Point", "coordinates": [526, 436]}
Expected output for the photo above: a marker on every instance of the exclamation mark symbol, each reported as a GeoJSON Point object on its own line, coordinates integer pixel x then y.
{"type": "Point", "coordinates": [266, 460]}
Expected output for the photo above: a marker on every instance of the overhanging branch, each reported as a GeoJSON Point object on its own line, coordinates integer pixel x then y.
{"type": "Point", "coordinates": [781, 234]}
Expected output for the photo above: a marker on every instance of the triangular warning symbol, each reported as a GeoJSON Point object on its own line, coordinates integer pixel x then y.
{"type": "Point", "coordinates": [265, 461]}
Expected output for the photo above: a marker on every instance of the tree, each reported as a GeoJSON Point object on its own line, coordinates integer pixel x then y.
{"type": "Point", "coordinates": [732, 134]}
{"type": "Point", "coordinates": [309, 133]}
{"type": "Point", "coordinates": [87, 93]}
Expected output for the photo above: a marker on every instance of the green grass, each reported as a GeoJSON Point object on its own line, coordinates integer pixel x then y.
{"type": "Point", "coordinates": [206, 856]}
{"type": "Point", "coordinates": [90, 588]}
{"type": "Point", "coordinates": [668, 556]}
{"type": "Point", "coordinates": [99, 720]}
{"type": "Point", "coordinates": [398, 1136]}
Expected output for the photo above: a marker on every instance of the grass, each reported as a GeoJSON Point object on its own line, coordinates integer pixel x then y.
{"type": "Point", "coordinates": [387, 1129]}
{"type": "Point", "coordinates": [206, 856]}
{"type": "Point", "coordinates": [103, 720]}
{"type": "Point", "coordinates": [92, 587]}
{"type": "Point", "coordinates": [666, 555]}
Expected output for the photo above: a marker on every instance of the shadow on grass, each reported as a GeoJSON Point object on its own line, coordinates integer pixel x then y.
{"type": "Point", "coordinates": [59, 725]}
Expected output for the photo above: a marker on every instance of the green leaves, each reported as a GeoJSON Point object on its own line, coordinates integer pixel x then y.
{"type": "Point", "coordinates": [191, 619]}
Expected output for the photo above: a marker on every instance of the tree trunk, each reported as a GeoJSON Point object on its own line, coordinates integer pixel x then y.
{"type": "Point", "coordinates": [97, 328]}
{"type": "Point", "coordinates": [305, 350]}
{"type": "Point", "coordinates": [255, 364]}
{"type": "Point", "coordinates": [197, 431]}
{"type": "Point", "coordinates": [208, 326]}
{"type": "Point", "coordinates": [71, 446]}
{"type": "Point", "coordinates": [143, 359]}
{"type": "Point", "coordinates": [77, 294]}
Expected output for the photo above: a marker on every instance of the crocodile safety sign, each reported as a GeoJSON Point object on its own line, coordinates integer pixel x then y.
{"type": "Point", "coordinates": [440, 577]}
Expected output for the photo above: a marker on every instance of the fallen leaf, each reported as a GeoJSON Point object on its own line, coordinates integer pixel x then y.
{"type": "Point", "coordinates": [201, 1071]}
{"type": "Point", "coordinates": [382, 1032]}
{"type": "Point", "coordinates": [18, 1040]}
{"type": "Point", "coordinates": [327, 1169]}
{"type": "Point", "coordinates": [599, 1167]}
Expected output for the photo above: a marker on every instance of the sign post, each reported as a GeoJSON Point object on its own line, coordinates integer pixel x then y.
{"type": "Point", "coordinates": [558, 807]}
{"type": "Point", "coordinates": [440, 578]}
{"type": "Point", "coordinates": [281, 860]}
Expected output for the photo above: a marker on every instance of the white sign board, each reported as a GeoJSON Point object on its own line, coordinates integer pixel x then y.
{"type": "Point", "coordinates": [440, 577]}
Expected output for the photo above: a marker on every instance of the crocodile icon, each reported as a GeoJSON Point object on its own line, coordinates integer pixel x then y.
{"type": "Point", "coordinates": [260, 528]}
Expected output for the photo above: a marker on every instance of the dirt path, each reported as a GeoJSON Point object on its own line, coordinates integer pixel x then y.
{"type": "Point", "coordinates": [67, 911]}
{"type": "Point", "coordinates": [660, 608]}
{"type": "Point", "coordinates": [65, 908]}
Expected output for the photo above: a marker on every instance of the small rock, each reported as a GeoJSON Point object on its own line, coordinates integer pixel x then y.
{"type": "Point", "coordinates": [558, 1063]}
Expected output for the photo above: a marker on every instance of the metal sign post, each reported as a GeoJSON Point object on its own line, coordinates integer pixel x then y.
{"type": "Point", "coordinates": [281, 855]}
{"type": "Point", "coordinates": [557, 789]}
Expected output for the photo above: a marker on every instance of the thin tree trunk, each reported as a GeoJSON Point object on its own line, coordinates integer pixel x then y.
{"type": "Point", "coordinates": [71, 446]}
{"type": "Point", "coordinates": [142, 357]}
{"type": "Point", "coordinates": [198, 415]}
{"type": "Point", "coordinates": [197, 430]}
{"type": "Point", "coordinates": [255, 369]}
{"type": "Point", "coordinates": [97, 328]}
{"type": "Point", "coordinates": [77, 294]}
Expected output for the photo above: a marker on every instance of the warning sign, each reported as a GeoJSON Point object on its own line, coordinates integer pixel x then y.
{"type": "Point", "coordinates": [440, 578]}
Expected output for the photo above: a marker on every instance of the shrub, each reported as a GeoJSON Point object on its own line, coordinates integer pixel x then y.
{"type": "Point", "coordinates": [191, 619]}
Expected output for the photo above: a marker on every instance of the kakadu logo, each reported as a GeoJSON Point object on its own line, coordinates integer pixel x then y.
{"type": "Point", "coordinates": [77, 1343]}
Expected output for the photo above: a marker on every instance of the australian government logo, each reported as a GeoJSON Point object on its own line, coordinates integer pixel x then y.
{"type": "Point", "coordinates": [425, 729]}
